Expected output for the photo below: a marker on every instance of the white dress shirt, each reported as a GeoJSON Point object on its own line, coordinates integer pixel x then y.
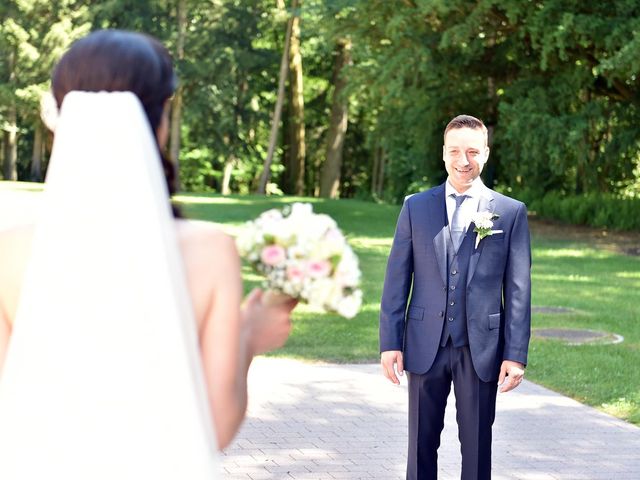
{"type": "Point", "coordinates": [469, 206]}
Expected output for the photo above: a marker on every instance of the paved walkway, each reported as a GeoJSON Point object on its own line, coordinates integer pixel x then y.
{"type": "Point", "coordinates": [322, 421]}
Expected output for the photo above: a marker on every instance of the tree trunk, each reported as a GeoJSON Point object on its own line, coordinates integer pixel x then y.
{"type": "Point", "coordinates": [176, 107]}
{"type": "Point", "coordinates": [297, 147]}
{"type": "Point", "coordinates": [330, 181]}
{"type": "Point", "coordinates": [176, 119]}
{"type": "Point", "coordinates": [10, 167]}
{"type": "Point", "coordinates": [273, 136]}
{"type": "Point", "coordinates": [10, 157]}
{"type": "Point", "coordinates": [491, 121]}
{"type": "Point", "coordinates": [377, 172]}
{"type": "Point", "coordinates": [226, 175]}
{"type": "Point", "coordinates": [383, 162]}
{"type": "Point", "coordinates": [38, 148]}
{"type": "Point", "coordinates": [374, 172]}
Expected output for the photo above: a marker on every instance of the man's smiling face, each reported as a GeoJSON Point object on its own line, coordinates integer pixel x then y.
{"type": "Point", "coordinates": [465, 152]}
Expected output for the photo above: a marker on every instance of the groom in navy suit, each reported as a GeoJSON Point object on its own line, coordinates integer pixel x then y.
{"type": "Point", "coordinates": [456, 304]}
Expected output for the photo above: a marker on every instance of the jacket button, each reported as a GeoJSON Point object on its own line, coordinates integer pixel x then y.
{"type": "Point", "coordinates": [441, 314]}
{"type": "Point", "coordinates": [451, 319]}
{"type": "Point", "coordinates": [444, 288]}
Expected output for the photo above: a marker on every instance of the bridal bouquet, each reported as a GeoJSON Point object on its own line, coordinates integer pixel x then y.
{"type": "Point", "coordinates": [304, 255]}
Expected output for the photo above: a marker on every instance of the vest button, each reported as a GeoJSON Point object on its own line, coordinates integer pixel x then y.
{"type": "Point", "coordinates": [453, 287]}
{"type": "Point", "coordinates": [450, 319]}
{"type": "Point", "coordinates": [452, 303]}
{"type": "Point", "coordinates": [453, 272]}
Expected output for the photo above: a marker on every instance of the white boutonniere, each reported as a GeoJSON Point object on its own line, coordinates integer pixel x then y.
{"type": "Point", "coordinates": [483, 222]}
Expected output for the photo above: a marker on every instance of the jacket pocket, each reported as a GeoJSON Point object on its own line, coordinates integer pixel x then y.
{"type": "Point", "coordinates": [496, 238]}
{"type": "Point", "coordinates": [494, 321]}
{"type": "Point", "coordinates": [415, 313]}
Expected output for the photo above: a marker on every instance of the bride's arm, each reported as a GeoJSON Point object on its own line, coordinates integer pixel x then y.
{"type": "Point", "coordinates": [15, 248]}
{"type": "Point", "coordinates": [230, 338]}
{"type": "Point", "coordinates": [5, 333]}
{"type": "Point", "coordinates": [225, 360]}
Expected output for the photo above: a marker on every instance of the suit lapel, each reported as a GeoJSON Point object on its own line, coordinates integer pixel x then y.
{"type": "Point", "coordinates": [486, 203]}
{"type": "Point", "coordinates": [441, 224]}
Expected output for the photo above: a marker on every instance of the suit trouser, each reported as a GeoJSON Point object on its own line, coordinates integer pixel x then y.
{"type": "Point", "coordinates": [475, 412]}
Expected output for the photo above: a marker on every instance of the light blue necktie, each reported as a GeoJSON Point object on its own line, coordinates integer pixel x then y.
{"type": "Point", "coordinates": [457, 223]}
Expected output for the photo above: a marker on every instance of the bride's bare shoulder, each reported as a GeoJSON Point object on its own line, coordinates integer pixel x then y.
{"type": "Point", "coordinates": [204, 241]}
{"type": "Point", "coordinates": [197, 233]}
{"type": "Point", "coordinates": [211, 262]}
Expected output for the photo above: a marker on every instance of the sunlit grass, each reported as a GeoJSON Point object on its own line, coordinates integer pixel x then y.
{"type": "Point", "coordinates": [20, 186]}
{"type": "Point", "coordinates": [565, 278]}
{"type": "Point", "coordinates": [602, 290]}
{"type": "Point", "coordinates": [572, 253]}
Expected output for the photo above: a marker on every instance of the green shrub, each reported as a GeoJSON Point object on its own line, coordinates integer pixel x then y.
{"type": "Point", "coordinates": [596, 210]}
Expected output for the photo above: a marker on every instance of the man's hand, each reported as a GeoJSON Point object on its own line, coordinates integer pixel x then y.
{"type": "Point", "coordinates": [388, 359]}
{"type": "Point", "coordinates": [511, 375]}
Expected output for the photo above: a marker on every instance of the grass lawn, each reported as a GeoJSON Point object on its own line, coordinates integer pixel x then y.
{"type": "Point", "coordinates": [601, 289]}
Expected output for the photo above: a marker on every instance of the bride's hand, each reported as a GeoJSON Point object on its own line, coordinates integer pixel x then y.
{"type": "Point", "coordinates": [267, 326]}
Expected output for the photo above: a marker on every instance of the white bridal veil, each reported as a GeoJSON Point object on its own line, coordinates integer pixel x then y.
{"type": "Point", "coordinates": [103, 378]}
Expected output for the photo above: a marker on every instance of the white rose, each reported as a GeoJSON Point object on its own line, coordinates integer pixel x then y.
{"type": "Point", "coordinates": [301, 210]}
{"type": "Point", "coordinates": [348, 272]}
{"type": "Point", "coordinates": [247, 240]}
{"type": "Point", "coordinates": [483, 219]}
{"type": "Point", "coordinates": [350, 305]}
{"type": "Point", "coordinates": [320, 292]}
{"type": "Point", "coordinates": [269, 216]}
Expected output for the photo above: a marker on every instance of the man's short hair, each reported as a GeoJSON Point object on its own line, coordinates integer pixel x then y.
{"type": "Point", "coordinates": [467, 121]}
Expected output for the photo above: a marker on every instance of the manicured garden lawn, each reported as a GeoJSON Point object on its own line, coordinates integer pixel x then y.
{"type": "Point", "coordinates": [601, 289]}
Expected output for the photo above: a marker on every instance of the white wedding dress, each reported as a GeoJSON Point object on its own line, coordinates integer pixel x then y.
{"type": "Point", "coordinates": [103, 378]}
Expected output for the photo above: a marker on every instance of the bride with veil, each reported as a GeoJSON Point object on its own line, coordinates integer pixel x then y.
{"type": "Point", "coordinates": [124, 349]}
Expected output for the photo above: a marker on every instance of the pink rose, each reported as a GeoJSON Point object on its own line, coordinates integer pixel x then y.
{"type": "Point", "coordinates": [295, 273]}
{"type": "Point", "coordinates": [318, 268]}
{"type": "Point", "coordinates": [272, 255]}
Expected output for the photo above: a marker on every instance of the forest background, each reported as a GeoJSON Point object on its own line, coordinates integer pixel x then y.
{"type": "Point", "coordinates": [367, 87]}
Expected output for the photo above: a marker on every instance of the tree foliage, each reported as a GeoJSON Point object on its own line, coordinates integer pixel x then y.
{"type": "Point", "coordinates": [555, 81]}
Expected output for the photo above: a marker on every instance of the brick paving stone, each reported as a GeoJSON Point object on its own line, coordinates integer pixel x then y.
{"type": "Point", "coordinates": [310, 476]}
{"type": "Point", "coordinates": [322, 421]}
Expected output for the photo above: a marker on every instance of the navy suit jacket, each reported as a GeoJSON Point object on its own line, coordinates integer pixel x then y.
{"type": "Point", "coordinates": [498, 293]}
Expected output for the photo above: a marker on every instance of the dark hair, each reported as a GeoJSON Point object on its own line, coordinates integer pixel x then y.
{"type": "Point", "coordinates": [115, 61]}
{"type": "Point", "coordinates": [466, 121]}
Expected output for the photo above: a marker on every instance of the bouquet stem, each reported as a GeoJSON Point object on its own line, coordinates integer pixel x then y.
{"type": "Point", "coordinates": [274, 297]}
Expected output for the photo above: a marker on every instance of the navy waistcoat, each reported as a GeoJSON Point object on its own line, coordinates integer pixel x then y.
{"type": "Point", "coordinates": [455, 318]}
